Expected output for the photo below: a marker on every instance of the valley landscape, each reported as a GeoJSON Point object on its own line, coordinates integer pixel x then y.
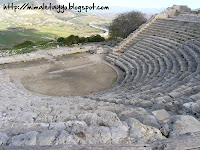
{"type": "Point", "coordinates": [36, 25]}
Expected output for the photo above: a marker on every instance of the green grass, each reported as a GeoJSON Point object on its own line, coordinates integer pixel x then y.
{"type": "Point", "coordinates": [12, 38]}
{"type": "Point", "coordinates": [41, 26]}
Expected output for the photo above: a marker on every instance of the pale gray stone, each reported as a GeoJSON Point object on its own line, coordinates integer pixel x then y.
{"type": "Point", "coordinates": [141, 133]}
{"type": "Point", "coordinates": [65, 138]}
{"type": "Point", "coordinates": [146, 103]}
{"type": "Point", "coordinates": [29, 138]}
{"type": "Point", "coordinates": [98, 135]}
{"type": "Point", "coordinates": [75, 126]}
{"type": "Point", "coordinates": [132, 113]}
{"type": "Point", "coordinates": [47, 137]}
{"type": "Point", "coordinates": [118, 134]}
{"type": "Point", "coordinates": [162, 115]}
{"type": "Point", "coordinates": [183, 124]}
{"type": "Point", "coordinates": [57, 126]}
{"type": "Point", "coordinates": [101, 118]}
{"type": "Point", "coordinates": [149, 120]}
{"type": "Point", "coordinates": [165, 129]}
{"type": "Point", "coordinates": [3, 138]}
{"type": "Point", "coordinates": [192, 107]}
{"type": "Point", "coordinates": [175, 94]}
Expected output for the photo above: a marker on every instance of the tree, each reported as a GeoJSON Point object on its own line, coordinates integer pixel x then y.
{"type": "Point", "coordinates": [83, 40]}
{"type": "Point", "coordinates": [72, 39]}
{"type": "Point", "coordinates": [96, 38]}
{"type": "Point", "coordinates": [24, 44]}
{"type": "Point", "coordinates": [126, 23]}
{"type": "Point", "coordinates": [60, 39]}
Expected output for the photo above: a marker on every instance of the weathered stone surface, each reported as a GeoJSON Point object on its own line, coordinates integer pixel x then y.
{"type": "Point", "coordinates": [193, 107]}
{"type": "Point", "coordinates": [97, 135]}
{"type": "Point", "coordinates": [183, 124]}
{"type": "Point", "coordinates": [165, 129]}
{"type": "Point", "coordinates": [141, 133]}
{"type": "Point", "coordinates": [76, 126]}
{"type": "Point", "coordinates": [132, 113]}
{"type": "Point", "coordinates": [174, 94]}
{"type": "Point", "coordinates": [3, 138]}
{"type": "Point", "coordinates": [47, 137]}
{"type": "Point", "coordinates": [101, 118]}
{"type": "Point", "coordinates": [21, 116]}
{"type": "Point", "coordinates": [57, 126]}
{"type": "Point", "coordinates": [149, 120]}
{"type": "Point", "coordinates": [162, 115]}
{"type": "Point", "coordinates": [29, 138]}
{"type": "Point", "coordinates": [65, 138]}
{"type": "Point", "coordinates": [118, 134]}
{"type": "Point", "coordinates": [146, 103]}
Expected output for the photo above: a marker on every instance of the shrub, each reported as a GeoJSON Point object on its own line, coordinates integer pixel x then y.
{"type": "Point", "coordinates": [24, 44]}
{"type": "Point", "coordinates": [60, 39]}
{"type": "Point", "coordinates": [96, 38]}
{"type": "Point", "coordinates": [126, 23]}
{"type": "Point", "coordinates": [72, 39]}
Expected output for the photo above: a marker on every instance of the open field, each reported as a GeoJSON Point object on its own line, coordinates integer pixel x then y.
{"type": "Point", "coordinates": [16, 27]}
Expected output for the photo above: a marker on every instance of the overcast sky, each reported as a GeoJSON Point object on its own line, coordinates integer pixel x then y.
{"type": "Point", "coordinates": [137, 3]}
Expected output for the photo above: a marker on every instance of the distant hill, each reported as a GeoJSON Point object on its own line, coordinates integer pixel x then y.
{"type": "Point", "coordinates": [197, 9]}
{"type": "Point", "coordinates": [39, 25]}
{"type": "Point", "coordinates": [114, 11]}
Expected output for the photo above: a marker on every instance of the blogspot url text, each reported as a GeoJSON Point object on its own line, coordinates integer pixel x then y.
{"type": "Point", "coordinates": [58, 8]}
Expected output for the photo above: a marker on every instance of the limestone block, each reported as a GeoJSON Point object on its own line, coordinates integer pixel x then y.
{"type": "Point", "coordinates": [118, 134]}
{"type": "Point", "coordinates": [96, 135]}
{"type": "Point", "coordinates": [146, 103]}
{"type": "Point", "coordinates": [21, 116]}
{"type": "Point", "coordinates": [165, 129]}
{"type": "Point", "coordinates": [141, 133]}
{"type": "Point", "coordinates": [195, 97]}
{"type": "Point", "coordinates": [57, 126]}
{"type": "Point", "coordinates": [65, 116]}
{"type": "Point", "coordinates": [149, 120]}
{"type": "Point", "coordinates": [192, 107]}
{"type": "Point", "coordinates": [183, 124]}
{"type": "Point", "coordinates": [175, 94]}
{"type": "Point", "coordinates": [3, 138]}
{"type": "Point", "coordinates": [75, 126]}
{"type": "Point", "coordinates": [47, 137]}
{"type": "Point", "coordinates": [162, 115]}
{"type": "Point", "coordinates": [65, 138]}
{"type": "Point", "coordinates": [101, 118]}
{"type": "Point", "coordinates": [132, 113]}
{"type": "Point", "coordinates": [29, 138]}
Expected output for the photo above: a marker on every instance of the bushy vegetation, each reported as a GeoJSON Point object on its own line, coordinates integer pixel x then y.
{"type": "Point", "coordinates": [29, 46]}
{"type": "Point", "coordinates": [24, 44]}
{"type": "Point", "coordinates": [72, 39]}
{"type": "Point", "coordinates": [126, 23]}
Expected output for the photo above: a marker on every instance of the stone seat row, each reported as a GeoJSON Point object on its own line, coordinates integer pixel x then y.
{"type": "Point", "coordinates": [171, 29]}
{"type": "Point", "coordinates": [175, 64]}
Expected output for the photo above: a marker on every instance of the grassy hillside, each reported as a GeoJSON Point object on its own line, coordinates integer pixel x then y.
{"type": "Point", "coordinates": [35, 25]}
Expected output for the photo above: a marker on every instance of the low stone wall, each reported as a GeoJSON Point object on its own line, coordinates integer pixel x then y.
{"type": "Point", "coordinates": [45, 54]}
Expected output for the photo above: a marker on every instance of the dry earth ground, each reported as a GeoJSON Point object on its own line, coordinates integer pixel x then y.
{"type": "Point", "coordinates": [69, 75]}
